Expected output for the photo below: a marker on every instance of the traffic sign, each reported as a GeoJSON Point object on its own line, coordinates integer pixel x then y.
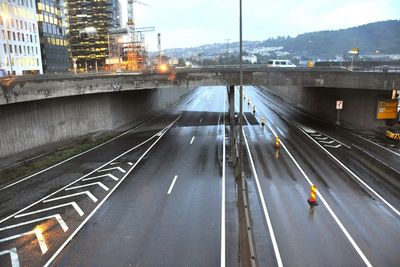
{"type": "Point", "coordinates": [339, 104]}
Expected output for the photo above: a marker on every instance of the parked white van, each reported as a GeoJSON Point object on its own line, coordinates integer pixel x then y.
{"type": "Point", "coordinates": [280, 63]}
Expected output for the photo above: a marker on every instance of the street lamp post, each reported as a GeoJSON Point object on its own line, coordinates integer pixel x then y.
{"type": "Point", "coordinates": [241, 92]}
{"type": "Point", "coordinates": [6, 19]}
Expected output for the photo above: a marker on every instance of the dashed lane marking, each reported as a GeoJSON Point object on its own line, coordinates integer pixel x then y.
{"type": "Point", "coordinates": [113, 168]}
{"type": "Point", "coordinates": [86, 185]}
{"type": "Point", "coordinates": [172, 185]}
{"type": "Point", "coordinates": [92, 197]}
{"type": "Point", "coordinates": [73, 204]}
{"type": "Point", "coordinates": [13, 255]}
{"type": "Point", "coordinates": [191, 142]}
{"type": "Point", "coordinates": [101, 176]}
{"type": "Point", "coordinates": [56, 216]}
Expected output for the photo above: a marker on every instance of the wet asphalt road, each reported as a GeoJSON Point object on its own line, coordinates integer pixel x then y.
{"type": "Point", "coordinates": [360, 229]}
{"type": "Point", "coordinates": [154, 196]}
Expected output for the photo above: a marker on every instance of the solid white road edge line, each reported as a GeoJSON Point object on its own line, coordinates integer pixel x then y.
{"type": "Point", "coordinates": [366, 139]}
{"type": "Point", "coordinates": [90, 173]}
{"type": "Point", "coordinates": [223, 248]}
{"type": "Point", "coordinates": [344, 230]}
{"type": "Point", "coordinates": [108, 195]}
{"type": "Point", "coordinates": [263, 204]}
{"type": "Point", "coordinates": [172, 185]}
{"type": "Point", "coordinates": [353, 174]}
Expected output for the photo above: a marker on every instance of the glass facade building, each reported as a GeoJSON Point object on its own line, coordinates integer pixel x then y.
{"type": "Point", "coordinates": [88, 24]}
{"type": "Point", "coordinates": [53, 43]}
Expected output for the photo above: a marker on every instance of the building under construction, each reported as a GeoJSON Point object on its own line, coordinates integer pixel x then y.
{"type": "Point", "coordinates": [127, 48]}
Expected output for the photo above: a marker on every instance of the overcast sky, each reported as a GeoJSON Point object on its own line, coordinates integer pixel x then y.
{"type": "Point", "coordinates": [187, 23]}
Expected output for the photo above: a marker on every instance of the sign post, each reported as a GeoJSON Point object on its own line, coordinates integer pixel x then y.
{"type": "Point", "coordinates": [339, 106]}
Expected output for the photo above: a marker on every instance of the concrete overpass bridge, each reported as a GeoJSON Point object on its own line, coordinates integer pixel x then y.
{"type": "Point", "coordinates": [40, 110]}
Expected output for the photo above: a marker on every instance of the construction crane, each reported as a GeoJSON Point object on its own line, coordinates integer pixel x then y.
{"type": "Point", "coordinates": [134, 48]}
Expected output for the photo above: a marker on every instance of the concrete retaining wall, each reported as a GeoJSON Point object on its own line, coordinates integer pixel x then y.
{"type": "Point", "coordinates": [359, 107]}
{"type": "Point", "coordinates": [31, 125]}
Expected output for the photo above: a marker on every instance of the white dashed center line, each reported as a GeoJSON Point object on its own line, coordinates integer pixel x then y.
{"type": "Point", "coordinates": [172, 185]}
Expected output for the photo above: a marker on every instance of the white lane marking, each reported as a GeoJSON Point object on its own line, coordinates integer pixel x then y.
{"type": "Point", "coordinates": [165, 130]}
{"type": "Point", "coordinates": [327, 142]}
{"type": "Point", "coordinates": [263, 204]}
{"type": "Point", "coordinates": [101, 176]}
{"type": "Point", "coordinates": [191, 142]}
{"type": "Point", "coordinates": [172, 185]}
{"type": "Point", "coordinates": [366, 139]}
{"type": "Point", "coordinates": [13, 256]}
{"type": "Point", "coordinates": [339, 145]}
{"type": "Point", "coordinates": [90, 173]}
{"type": "Point", "coordinates": [92, 197]}
{"type": "Point", "coordinates": [223, 263]}
{"type": "Point", "coordinates": [73, 204]}
{"type": "Point", "coordinates": [321, 138]}
{"type": "Point", "coordinates": [56, 216]}
{"type": "Point", "coordinates": [86, 185]}
{"type": "Point", "coordinates": [130, 163]}
{"type": "Point", "coordinates": [42, 243]}
{"type": "Point", "coordinates": [71, 158]}
{"type": "Point", "coordinates": [279, 130]}
{"type": "Point", "coordinates": [39, 236]}
{"type": "Point", "coordinates": [114, 163]}
{"type": "Point", "coordinates": [341, 226]}
{"type": "Point", "coordinates": [355, 176]}
{"type": "Point", "coordinates": [113, 168]}
{"type": "Point", "coordinates": [316, 134]}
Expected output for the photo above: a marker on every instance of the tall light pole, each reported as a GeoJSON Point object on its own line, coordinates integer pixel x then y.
{"type": "Point", "coordinates": [6, 19]}
{"type": "Point", "coordinates": [241, 92]}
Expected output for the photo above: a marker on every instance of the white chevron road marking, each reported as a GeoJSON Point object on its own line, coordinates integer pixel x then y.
{"type": "Point", "coordinates": [14, 256]}
{"type": "Point", "coordinates": [73, 204]}
{"type": "Point", "coordinates": [56, 216]}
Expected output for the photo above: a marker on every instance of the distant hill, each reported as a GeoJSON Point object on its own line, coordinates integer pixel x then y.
{"type": "Point", "coordinates": [381, 36]}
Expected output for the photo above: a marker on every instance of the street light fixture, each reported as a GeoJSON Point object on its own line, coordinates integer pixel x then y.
{"type": "Point", "coordinates": [6, 18]}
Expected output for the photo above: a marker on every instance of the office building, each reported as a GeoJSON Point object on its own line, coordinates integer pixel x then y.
{"type": "Point", "coordinates": [53, 43]}
{"type": "Point", "coordinates": [88, 24]}
{"type": "Point", "coordinates": [19, 37]}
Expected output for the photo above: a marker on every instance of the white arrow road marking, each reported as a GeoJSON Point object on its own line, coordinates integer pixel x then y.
{"type": "Point", "coordinates": [14, 256]}
{"type": "Point", "coordinates": [101, 176]}
{"type": "Point", "coordinates": [56, 216]}
{"type": "Point", "coordinates": [39, 236]}
{"type": "Point", "coordinates": [113, 168]}
{"type": "Point", "coordinates": [85, 185]}
{"type": "Point", "coordinates": [339, 145]}
{"type": "Point", "coordinates": [73, 195]}
{"type": "Point", "coordinates": [76, 207]}
{"type": "Point", "coordinates": [321, 138]}
{"type": "Point", "coordinates": [327, 142]}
